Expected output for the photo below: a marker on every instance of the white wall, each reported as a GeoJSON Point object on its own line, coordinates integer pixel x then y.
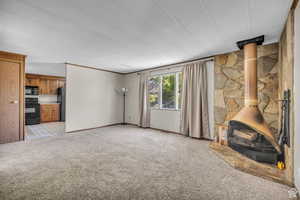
{"type": "Point", "coordinates": [92, 98]}
{"type": "Point", "coordinates": [297, 98]}
{"type": "Point", "coordinates": [131, 81]}
{"type": "Point", "coordinates": [51, 69]}
{"type": "Point", "coordinates": [168, 120]}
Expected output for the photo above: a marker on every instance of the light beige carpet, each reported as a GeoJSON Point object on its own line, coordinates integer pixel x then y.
{"type": "Point", "coordinates": [124, 163]}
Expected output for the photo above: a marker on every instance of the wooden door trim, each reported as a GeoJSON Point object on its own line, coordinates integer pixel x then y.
{"type": "Point", "coordinates": [12, 56]}
{"type": "Point", "coordinates": [20, 59]}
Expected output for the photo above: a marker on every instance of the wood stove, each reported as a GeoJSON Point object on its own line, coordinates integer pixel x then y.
{"type": "Point", "coordinates": [248, 132]}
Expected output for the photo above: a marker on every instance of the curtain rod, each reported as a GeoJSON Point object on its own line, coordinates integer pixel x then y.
{"type": "Point", "coordinates": [169, 66]}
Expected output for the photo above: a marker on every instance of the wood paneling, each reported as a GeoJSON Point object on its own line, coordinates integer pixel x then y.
{"type": "Point", "coordinates": [49, 112]}
{"type": "Point", "coordinates": [11, 97]}
{"type": "Point", "coordinates": [286, 81]}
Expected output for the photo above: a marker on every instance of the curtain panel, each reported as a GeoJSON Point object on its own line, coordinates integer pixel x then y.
{"type": "Point", "coordinates": [194, 108]}
{"type": "Point", "coordinates": [144, 105]}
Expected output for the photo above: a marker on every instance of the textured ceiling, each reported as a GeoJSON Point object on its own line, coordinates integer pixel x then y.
{"type": "Point", "coordinates": [130, 35]}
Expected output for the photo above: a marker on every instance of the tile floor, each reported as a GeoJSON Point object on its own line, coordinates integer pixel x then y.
{"type": "Point", "coordinates": [44, 130]}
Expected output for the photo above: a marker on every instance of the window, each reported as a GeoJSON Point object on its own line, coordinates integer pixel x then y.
{"type": "Point", "coordinates": [168, 91]}
{"type": "Point", "coordinates": [154, 91]}
{"type": "Point", "coordinates": [165, 91]}
{"type": "Point", "coordinates": [179, 89]}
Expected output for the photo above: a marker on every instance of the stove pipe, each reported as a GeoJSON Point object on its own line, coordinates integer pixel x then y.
{"type": "Point", "coordinates": [250, 114]}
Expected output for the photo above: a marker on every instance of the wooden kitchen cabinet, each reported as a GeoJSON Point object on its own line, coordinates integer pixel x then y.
{"type": "Point", "coordinates": [48, 85]}
{"type": "Point", "coordinates": [53, 85]}
{"type": "Point", "coordinates": [32, 82]}
{"type": "Point", "coordinates": [44, 86]}
{"type": "Point", "coordinates": [61, 83]}
{"type": "Point", "coordinates": [49, 112]}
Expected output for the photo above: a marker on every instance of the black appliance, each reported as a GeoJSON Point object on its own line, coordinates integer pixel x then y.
{"type": "Point", "coordinates": [61, 99]}
{"type": "Point", "coordinates": [31, 90]}
{"type": "Point", "coordinates": [32, 111]}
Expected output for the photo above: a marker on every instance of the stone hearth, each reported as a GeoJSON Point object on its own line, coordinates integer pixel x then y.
{"type": "Point", "coordinates": [240, 162]}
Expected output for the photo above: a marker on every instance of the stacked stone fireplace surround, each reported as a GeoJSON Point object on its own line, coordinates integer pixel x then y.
{"type": "Point", "coordinates": [229, 86]}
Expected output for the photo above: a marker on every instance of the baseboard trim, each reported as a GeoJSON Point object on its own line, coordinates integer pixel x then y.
{"type": "Point", "coordinates": [167, 131]}
{"type": "Point", "coordinates": [86, 129]}
{"type": "Point", "coordinates": [156, 129]}
{"type": "Point", "coordinates": [130, 124]}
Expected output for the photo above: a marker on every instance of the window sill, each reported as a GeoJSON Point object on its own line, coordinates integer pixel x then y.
{"type": "Point", "coordinates": [166, 109]}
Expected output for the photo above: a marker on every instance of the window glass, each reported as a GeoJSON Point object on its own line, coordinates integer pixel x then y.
{"type": "Point", "coordinates": [179, 89]}
{"type": "Point", "coordinates": [168, 91]}
{"type": "Point", "coordinates": [154, 91]}
{"type": "Point", "coordinates": [165, 91]}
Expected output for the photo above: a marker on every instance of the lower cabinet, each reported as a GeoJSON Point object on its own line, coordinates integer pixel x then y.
{"type": "Point", "coordinates": [49, 112]}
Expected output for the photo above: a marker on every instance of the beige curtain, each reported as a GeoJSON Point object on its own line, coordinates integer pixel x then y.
{"type": "Point", "coordinates": [194, 113]}
{"type": "Point", "coordinates": [144, 106]}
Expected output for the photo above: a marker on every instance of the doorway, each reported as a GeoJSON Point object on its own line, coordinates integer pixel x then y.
{"type": "Point", "coordinates": [44, 100]}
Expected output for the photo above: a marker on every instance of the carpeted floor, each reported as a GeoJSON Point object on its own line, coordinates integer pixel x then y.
{"type": "Point", "coordinates": [127, 163]}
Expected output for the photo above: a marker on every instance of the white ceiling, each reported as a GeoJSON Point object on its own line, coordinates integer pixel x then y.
{"type": "Point", "coordinates": [130, 35]}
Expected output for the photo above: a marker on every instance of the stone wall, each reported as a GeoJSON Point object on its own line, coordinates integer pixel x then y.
{"type": "Point", "coordinates": [229, 85]}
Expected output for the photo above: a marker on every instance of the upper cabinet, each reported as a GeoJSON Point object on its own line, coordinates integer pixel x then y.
{"type": "Point", "coordinates": [44, 86]}
{"type": "Point", "coordinates": [32, 82]}
{"type": "Point", "coordinates": [61, 83]}
{"type": "Point", "coordinates": [47, 84]}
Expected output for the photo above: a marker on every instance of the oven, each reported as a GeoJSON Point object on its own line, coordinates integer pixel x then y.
{"type": "Point", "coordinates": [32, 111]}
{"type": "Point", "coordinates": [31, 90]}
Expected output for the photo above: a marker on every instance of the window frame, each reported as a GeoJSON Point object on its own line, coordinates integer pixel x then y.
{"type": "Point", "coordinates": [176, 91]}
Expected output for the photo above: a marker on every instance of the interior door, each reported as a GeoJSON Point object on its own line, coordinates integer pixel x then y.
{"type": "Point", "coordinates": [9, 102]}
